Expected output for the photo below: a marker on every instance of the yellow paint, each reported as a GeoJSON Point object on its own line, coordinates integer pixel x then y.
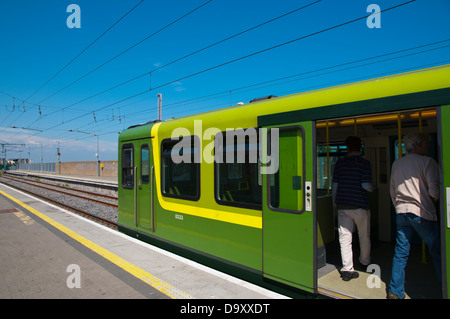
{"type": "Point", "coordinates": [24, 218]}
{"type": "Point", "coordinates": [332, 293]}
{"type": "Point", "coordinates": [139, 273]}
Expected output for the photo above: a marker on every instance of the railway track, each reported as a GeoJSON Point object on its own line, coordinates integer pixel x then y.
{"type": "Point", "coordinates": [57, 185]}
{"type": "Point", "coordinates": [77, 201]}
{"type": "Point", "coordinates": [69, 192]}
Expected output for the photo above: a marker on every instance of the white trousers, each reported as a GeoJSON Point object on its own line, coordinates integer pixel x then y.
{"type": "Point", "coordinates": [347, 219]}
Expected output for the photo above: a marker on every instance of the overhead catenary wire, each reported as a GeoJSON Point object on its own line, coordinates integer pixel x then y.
{"type": "Point", "coordinates": [185, 56]}
{"type": "Point", "coordinates": [73, 59]}
{"type": "Point", "coordinates": [236, 35]}
{"type": "Point", "coordinates": [310, 74]}
{"type": "Point", "coordinates": [116, 131]}
{"type": "Point", "coordinates": [84, 50]}
{"type": "Point", "coordinates": [194, 52]}
{"type": "Point", "coordinates": [168, 106]}
{"type": "Point", "coordinates": [128, 49]}
{"type": "Point", "coordinates": [328, 84]}
{"type": "Point", "coordinates": [115, 57]}
{"type": "Point", "coordinates": [258, 52]}
{"type": "Point", "coordinates": [333, 71]}
{"type": "Point", "coordinates": [327, 68]}
{"type": "Point", "coordinates": [276, 46]}
{"type": "Point", "coordinates": [229, 62]}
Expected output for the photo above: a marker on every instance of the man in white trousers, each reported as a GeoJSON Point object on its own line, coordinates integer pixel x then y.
{"type": "Point", "coordinates": [351, 179]}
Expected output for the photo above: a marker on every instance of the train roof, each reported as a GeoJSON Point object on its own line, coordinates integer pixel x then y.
{"type": "Point", "coordinates": [137, 131]}
{"type": "Point", "coordinates": [424, 80]}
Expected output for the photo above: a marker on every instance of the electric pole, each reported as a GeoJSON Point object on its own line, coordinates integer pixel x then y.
{"type": "Point", "coordinates": [4, 151]}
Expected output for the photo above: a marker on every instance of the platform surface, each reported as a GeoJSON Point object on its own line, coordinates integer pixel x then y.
{"type": "Point", "coordinates": [47, 252]}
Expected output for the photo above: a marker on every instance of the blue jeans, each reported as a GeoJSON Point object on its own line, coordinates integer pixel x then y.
{"type": "Point", "coordinates": [429, 232]}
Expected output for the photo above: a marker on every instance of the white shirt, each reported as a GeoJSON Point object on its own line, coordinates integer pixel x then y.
{"type": "Point", "coordinates": [414, 185]}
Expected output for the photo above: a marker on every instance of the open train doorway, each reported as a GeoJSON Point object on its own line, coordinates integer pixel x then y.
{"type": "Point", "coordinates": [380, 134]}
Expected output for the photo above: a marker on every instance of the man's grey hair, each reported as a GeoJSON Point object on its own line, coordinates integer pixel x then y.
{"type": "Point", "coordinates": [412, 138]}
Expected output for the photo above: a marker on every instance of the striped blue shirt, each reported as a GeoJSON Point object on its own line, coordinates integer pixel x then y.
{"type": "Point", "coordinates": [350, 173]}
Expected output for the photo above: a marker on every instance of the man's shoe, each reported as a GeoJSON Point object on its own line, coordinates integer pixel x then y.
{"type": "Point", "coordinates": [347, 275]}
{"type": "Point", "coordinates": [391, 295]}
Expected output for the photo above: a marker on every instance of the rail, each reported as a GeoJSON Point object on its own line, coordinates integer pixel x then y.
{"type": "Point", "coordinates": [73, 208]}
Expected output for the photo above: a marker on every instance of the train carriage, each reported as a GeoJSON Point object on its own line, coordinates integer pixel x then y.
{"type": "Point", "coordinates": [247, 188]}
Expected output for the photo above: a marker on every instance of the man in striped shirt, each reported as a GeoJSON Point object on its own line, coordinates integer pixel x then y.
{"type": "Point", "coordinates": [351, 179]}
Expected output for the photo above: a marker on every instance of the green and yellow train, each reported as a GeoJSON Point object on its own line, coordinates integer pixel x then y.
{"type": "Point", "coordinates": [268, 216]}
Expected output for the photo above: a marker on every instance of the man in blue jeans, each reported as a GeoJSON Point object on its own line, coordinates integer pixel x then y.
{"type": "Point", "coordinates": [414, 187]}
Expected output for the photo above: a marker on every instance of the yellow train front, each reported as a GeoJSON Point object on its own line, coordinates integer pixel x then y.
{"type": "Point", "coordinates": [246, 189]}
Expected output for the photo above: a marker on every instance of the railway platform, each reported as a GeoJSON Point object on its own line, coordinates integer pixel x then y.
{"type": "Point", "coordinates": [49, 253]}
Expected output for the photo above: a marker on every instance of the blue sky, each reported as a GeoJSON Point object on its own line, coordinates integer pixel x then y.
{"type": "Point", "coordinates": [36, 43]}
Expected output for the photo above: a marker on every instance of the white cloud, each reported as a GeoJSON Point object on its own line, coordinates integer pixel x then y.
{"type": "Point", "coordinates": [180, 89]}
{"type": "Point", "coordinates": [178, 86]}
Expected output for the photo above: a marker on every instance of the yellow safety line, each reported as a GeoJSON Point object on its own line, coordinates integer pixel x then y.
{"type": "Point", "coordinates": [141, 274]}
{"type": "Point", "coordinates": [332, 293]}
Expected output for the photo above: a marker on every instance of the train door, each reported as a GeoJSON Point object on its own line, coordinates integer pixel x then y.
{"type": "Point", "coordinates": [136, 179]}
{"type": "Point", "coordinates": [144, 190]}
{"type": "Point", "coordinates": [288, 221]}
{"type": "Point", "coordinates": [444, 145]}
{"type": "Point", "coordinates": [382, 134]}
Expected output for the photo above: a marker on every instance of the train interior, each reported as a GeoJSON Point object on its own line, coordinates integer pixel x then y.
{"type": "Point", "coordinates": [380, 134]}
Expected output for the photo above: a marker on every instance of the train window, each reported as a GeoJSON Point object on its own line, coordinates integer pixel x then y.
{"type": "Point", "coordinates": [237, 180]}
{"type": "Point", "coordinates": [285, 187]}
{"type": "Point", "coordinates": [127, 166]}
{"type": "Point", "coordinates": [145, 164]}
{"type": "Point", "coordinates": [180, 175]}
{"type": "Point", "coordinates": [335, 152]}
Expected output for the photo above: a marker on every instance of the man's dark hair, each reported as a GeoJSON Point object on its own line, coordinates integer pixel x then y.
{"type": "Point", "coordinates": [353, 143]}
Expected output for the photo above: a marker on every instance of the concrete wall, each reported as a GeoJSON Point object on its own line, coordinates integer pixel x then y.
{"type": "Point", "coordinates": [106, 168]}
